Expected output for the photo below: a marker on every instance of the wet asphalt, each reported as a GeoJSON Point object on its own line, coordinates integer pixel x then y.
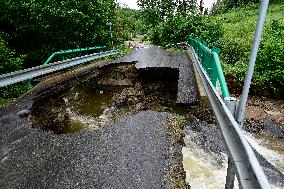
{"type": "Point", "coordinates": [130, 154]}
{"type": "Point", "coordinates": [136, 152]}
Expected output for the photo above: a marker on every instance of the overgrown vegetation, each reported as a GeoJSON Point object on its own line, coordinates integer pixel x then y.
{"type": "Point", "coordinates": [239, 25]}
{"type": "Point", "coordinates": [173, 21]}
{"type": "Point", "coordinates": [9, 62]}
{"type": "Point", "coordinates": [38, 28]}
{"type": "Point", "coordinates": [223, 6]}
{"type": "Point", "coordinates": [179, 27]}
{"type": "Point", "coordinates": [129, 24]}
{"type": "Point", "coordinates": [231, 28]}
{"type": "Point", "coordinates": [11, 93]}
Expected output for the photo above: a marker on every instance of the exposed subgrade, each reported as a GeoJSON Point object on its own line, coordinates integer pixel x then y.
{"type": "Point", "coordinates": [116, 91]}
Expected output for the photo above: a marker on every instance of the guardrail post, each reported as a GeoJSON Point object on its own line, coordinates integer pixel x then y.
{"type": "Point", "coordinates": [231, 104]}
{"type": "Point", "coordinates": [231, 174]}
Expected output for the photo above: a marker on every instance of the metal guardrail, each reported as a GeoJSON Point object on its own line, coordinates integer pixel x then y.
{"type": "Point", "coordinates": [22, 75]}
{"type": "Point", "coordinates": [73, 51]}
{"type": "Point", "coordinates": [211, 63]}
{"type": "Point", "coordinates": [249, 172]}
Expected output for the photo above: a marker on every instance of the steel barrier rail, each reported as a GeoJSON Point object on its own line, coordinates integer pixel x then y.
{"type": "Point", "coordinates": [211, 63]}
{"type": "Point", "coordinates": [22, 75]}
{"type": "Point", "coordinates": [249, 172]}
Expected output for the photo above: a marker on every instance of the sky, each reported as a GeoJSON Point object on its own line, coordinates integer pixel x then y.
{"type": "Point", "coordinates": [133, 5]}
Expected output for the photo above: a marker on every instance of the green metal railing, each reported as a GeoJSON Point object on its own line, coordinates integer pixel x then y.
{"type": "Point", "coordinates": [73, 51]}
{"type": "Point", "coordinates": [211, 63]}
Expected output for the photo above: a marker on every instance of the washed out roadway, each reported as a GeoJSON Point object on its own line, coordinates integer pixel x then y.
{"type": "Point", "coordinates": [136, 152]}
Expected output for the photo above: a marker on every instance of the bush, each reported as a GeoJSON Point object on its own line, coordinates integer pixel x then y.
{"type": "Point", "coordinates": [38, 28]}
{"type": "Point", "coordinates": [8, 61]}
{"type": "Point", "coordinates": [270, 61]}
{"type": "Point", "coordinates": [14, 91]}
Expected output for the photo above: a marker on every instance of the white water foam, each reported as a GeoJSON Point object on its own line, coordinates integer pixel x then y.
{"type": "Point", "coordinates": [261, 146]}
{"type": "Point", "coordinates": [208, 170]}
{"type": "Point", "coordinates": [203, 170]}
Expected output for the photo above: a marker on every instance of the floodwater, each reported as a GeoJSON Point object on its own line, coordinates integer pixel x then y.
{"type": "Point", "coordinates": [90, 107]}
{"type": "Point", "coordinates": [104, 100]}
{"type": "Point", "coordinates": [208, 170]}
{"type": "Point", "coordinates": [202, 169]}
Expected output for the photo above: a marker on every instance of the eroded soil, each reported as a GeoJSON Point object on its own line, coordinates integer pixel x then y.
{"type": "Point", "coordinates": [117, 89]}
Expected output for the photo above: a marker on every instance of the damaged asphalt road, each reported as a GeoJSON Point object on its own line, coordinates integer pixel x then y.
{"type": "Point", "coordinates": [135, 152]}
{"type": "Point", "coordinates": [156, 57]}
{"type": "Point", "coordinates": [130, 154]}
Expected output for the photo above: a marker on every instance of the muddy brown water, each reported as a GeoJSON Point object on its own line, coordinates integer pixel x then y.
{"type": "Point", "coordinates": [117, 90]}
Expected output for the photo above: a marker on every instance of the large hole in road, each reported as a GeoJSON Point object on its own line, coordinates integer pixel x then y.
{"type": "Point", "coordinates": [117, 90]}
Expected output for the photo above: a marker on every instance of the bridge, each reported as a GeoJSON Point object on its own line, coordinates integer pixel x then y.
{"type": "Point", "coordinates": [136, 143]}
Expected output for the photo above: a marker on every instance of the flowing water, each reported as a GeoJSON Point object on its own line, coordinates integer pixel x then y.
{"type": "Point", "coordinates": [208, 170]}
{"type": "Point", "coordinates": [202, 169]}
{"type": "Point", "coordinates": [271, 148]}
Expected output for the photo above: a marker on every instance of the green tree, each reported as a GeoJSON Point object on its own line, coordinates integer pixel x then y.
{"type": "Point", "coordinates": [38, 28]}
{"type": "Point", "coordinates": [129, 23]}
{"type": "Point", "coordinates": [186, 6]}
{"type": "Point", "coordinates": [156, 11]}
{"type": "Point", "coordinates": [223, 6]}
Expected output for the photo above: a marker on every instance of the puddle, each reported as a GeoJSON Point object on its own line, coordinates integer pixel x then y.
{"type": "Point", "coordinates": [89, 99]}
